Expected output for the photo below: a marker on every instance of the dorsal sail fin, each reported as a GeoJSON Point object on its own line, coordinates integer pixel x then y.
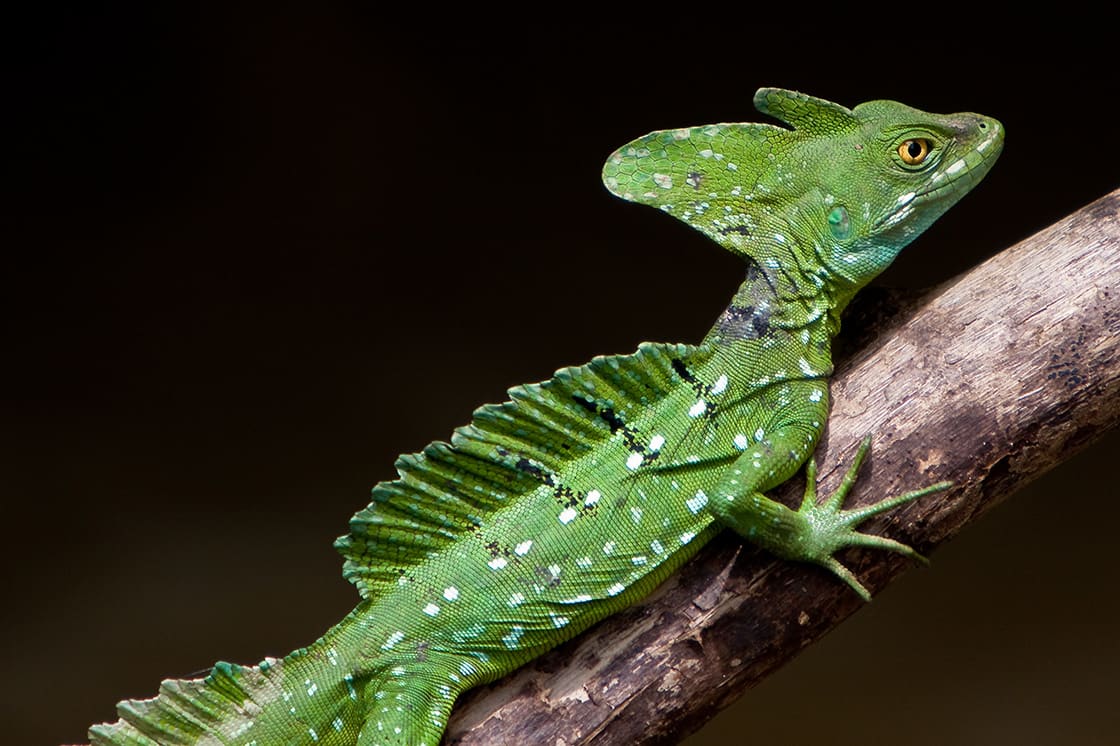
{"type": "Point", "coordinates": [449, 489]}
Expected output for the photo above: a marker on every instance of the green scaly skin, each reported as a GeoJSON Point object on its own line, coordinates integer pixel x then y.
{"type": "Point", "coordinates": [581, 494]}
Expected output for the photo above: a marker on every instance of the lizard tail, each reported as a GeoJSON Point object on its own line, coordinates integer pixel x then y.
{"type": "Point", "coordinates": [302, 699]}
{"type": "Point", "coordinates": [310, 697]}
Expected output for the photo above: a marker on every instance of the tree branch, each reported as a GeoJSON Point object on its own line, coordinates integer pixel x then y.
{"type": "Point", "coordinates": [991, 381]}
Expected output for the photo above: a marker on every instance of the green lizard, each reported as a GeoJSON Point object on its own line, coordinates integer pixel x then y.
{"type": "Point", "coordinates": [579, 495]}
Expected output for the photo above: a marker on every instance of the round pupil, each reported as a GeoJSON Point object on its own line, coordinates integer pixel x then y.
{"type": "Point", "coordinates": [914, 149]}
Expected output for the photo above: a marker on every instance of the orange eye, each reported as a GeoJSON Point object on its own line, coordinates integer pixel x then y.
{"type": "Point", "coordinates": [913, 152]}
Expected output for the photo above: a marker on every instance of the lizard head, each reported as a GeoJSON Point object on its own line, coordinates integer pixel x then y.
{"type": "Point", "coordinates": [838, 194]}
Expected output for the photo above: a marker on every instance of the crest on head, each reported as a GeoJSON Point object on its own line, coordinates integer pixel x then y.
{"type": "Point", "coordinates": [847, 188]}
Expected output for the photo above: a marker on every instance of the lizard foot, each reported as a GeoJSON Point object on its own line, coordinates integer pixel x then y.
{"type": "Point", "coordinates": [831, 528]}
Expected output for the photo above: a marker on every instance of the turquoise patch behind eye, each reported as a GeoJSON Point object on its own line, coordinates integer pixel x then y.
{"type": "Point", "coordinates": [838, 222]}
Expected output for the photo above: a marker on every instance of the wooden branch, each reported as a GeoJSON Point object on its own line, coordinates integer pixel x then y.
{"type": "Point", "coordinates": [990, 382]}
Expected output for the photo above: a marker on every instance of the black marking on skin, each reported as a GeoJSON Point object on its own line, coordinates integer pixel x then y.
{"type": "Point", "coordinates": [694, 383]}
{"type": "Point", "coordinates": [701, 389]}
{"type": "Point", "coordinates": [528, 467]}
{"type": "Point", "coordinates": [747, 322]}
{"type": "Point", "coordinates": [740, 229]}
{"type": "Point", "coordinates": [683, 371]}
{"type": "Point", "coordinates": [567, 497]}
{"type": "Point", "coordinates": [614, 422]}
{"type": "Point", "coordinates": [694, 179]}
{"type": "Point", "coordinates": [748, 316]}
{"type": "Point", "coordinates": [497, 550]}
{"type": "Point", "coordinates": [630, 436]}
{"type": "Point", "coordinates": [607, 414]}
{"type": "Point", "coordinates": [564, 495]}
{"type": "Point", "coordinates": [755, 271]}
{"type": "Point", "coordinates": [586, 403]}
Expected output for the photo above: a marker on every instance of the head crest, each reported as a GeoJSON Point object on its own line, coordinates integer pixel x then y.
{"type": "Point", "coordinates": [813, 115]}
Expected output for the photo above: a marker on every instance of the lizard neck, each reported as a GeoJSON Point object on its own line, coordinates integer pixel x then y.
{"type": "Point", "coordinates": [780, 296]}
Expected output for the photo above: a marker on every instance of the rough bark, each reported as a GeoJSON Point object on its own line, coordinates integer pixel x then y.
{"type": "Point", "coordinates": [989, 382]}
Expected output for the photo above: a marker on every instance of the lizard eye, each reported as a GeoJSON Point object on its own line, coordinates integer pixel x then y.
{"type": "Point", "coordinates": [913, 152]}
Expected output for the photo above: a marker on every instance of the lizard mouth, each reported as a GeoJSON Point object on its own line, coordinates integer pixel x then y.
{"type": "Point", "coordinates": [957, 178]}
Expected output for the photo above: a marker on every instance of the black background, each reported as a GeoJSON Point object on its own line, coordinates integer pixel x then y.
{"type": "Point", "coordinates": [250, 256]}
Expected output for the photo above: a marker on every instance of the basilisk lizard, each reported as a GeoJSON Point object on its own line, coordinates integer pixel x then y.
{"type": "Point", "coordinates": [580, 494]}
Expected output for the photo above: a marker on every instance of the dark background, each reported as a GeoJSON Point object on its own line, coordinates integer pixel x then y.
{"type": "Point", "coordinates": [252, 256]}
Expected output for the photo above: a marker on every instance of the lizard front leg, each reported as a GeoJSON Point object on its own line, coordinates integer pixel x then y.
{"type": "Point", "coordinates": [813, 532]}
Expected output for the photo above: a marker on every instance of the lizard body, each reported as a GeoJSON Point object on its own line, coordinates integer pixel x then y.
{"type": "Point", "coordinates": [580, 494]}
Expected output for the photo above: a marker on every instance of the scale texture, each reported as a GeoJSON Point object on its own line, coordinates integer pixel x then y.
{"type": "Point", "coordinates": [580, 494]}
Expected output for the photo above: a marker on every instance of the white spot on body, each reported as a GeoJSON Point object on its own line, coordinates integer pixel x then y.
{"type": "Point", "coordinates": [559, 621]}
{"type": "Point", "coordinates": [720, 384]}
{"type": "Point", "coordinates": [656, 442]}
{"type": "Point", "coordinates": [592, 498]}
{"type": "Point", "coordinates": [516, 599]}
{"type": "Point", "coordinates": [583, 563]}
{"type": "Point", "coordinates": [431, 609]}
{"type": "Point", "coordinates": [759, 434]}
{"type": "Point", "coordinates": [636, 514]}
{"type": "Point", "coordinates": [805, 367]}
{"type": "Point", "coordinates": [687, 536]}
{"type": "Point", "coordinates": [615, 589]}
{"type": "Point", "coordinates": [466, 669]}
{"type": "Point", "coordinates": [639, 560]}
{"type": "Point", "coordinates": [698, 408]}
{"type": "Point", "coordinates": [634, 460]}
{"type": "Point", "coordinates": [608, 548]}
{"type": "Point", "coordinates": [312, 688]}
{"type": "Point", "coordinates": [567, 516]}
{"type": "Point", "coordinates": [656, 547]}
{"type": "Point", "coordinates": [497, 563]}
{"type": "Point", "coordinates": [451, 593]}
{"type": "Point", "coordinates": [740, 441]}
{"type": "Point", "coordinates": [697, 503]}
{"type": "Point", "coordinates": [521, 549]}
{"type": "Point", "coordinates": [665, 181]}
{"type": "Point", "coordinates": [393, 640]}
{"type": "Point", "coordinates": [815, 396]}
{"type": "Point", "coordinates": [513, 638]}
